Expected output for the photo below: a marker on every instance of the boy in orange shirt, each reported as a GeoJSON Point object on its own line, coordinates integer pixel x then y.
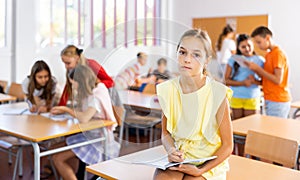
{"type": "Point", "coordinates": [274, 74]}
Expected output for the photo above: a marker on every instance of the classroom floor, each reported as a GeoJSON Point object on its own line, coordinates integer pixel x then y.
{"type": "Point", "coordinates": [6, 170]}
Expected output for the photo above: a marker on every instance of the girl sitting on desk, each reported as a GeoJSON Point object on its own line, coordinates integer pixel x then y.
{"type": "Point", "coordinates": [196, 121]}
{"type": "Point", "coordinates": [39, 88]}
{"type": "Point", "coordinates": [91, 101]}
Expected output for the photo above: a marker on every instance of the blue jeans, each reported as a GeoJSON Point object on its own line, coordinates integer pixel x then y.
{"type": "Point", "coordinates": [279, 109]}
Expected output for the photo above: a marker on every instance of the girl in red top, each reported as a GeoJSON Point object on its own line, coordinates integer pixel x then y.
{"type": "Point", "coordinates": [71, 57]}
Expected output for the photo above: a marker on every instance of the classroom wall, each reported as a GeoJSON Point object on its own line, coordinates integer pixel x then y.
{"type": "Point", "coordinates": [283, 22]}
{"type": "Point", "coordinates": [113, 60]}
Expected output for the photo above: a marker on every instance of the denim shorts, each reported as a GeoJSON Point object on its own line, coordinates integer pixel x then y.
{"type": "Point", "coordinates": [279, 109]}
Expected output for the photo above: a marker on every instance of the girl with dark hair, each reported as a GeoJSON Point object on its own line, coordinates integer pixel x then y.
{"type": "Point", "coordinates": [242, 80]}
{"type": "Point", "coordinates": [225, 47]}
{"type": "Point", "coordinates": [39, 87]}
{"type": "Point", "coordinates": [196, 120]}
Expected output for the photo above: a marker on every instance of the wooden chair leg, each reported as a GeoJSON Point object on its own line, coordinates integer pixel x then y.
{"type": "Point", "coordinates": [137, 132]}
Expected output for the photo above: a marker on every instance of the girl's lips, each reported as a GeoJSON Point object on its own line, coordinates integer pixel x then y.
{"type": "Point", "coordinates": [185, 67]}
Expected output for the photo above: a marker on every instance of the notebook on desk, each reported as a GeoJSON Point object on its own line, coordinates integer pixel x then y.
{"type": "Point", "coordinates": [57, 117]}
{"type": "Point", "coordinates": [163, 163]}
{"type": "Point", "coordinates": [17, 111]}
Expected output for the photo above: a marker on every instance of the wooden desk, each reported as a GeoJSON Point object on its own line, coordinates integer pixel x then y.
{"type": "Point", "coordinates": [5, 98]}
{"type": "Point", "coordinates": [139, 100]}
{"type": "Point", "coordinates": [240, 168]}
{"type": "Point", "coordinates": [248, 169]}
{"type": "Point", "coordinates": [296, 105]}
{"type": "Point", "coordinates": [36, 128]}
{"type": "Point", "coordinates": [281, 127]}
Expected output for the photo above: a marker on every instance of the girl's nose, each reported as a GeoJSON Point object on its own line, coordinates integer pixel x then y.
{"type": "Point", "coordinates": [188, 58]}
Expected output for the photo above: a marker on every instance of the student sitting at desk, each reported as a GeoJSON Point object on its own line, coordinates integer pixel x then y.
{"type": "Point", "coordinates": [132, 75]}
{"type": "Point", "coordinates": [39, 88]}
{"type": "Point", "coordinates": [161, 73]}
{"type": "Point", "coordinates": [196, 121]}
{"type": "Point", "coordinates": [92, 101]}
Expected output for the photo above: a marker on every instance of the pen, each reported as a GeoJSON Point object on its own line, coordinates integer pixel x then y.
{"type": "Point", "coordinates": [29, 103]}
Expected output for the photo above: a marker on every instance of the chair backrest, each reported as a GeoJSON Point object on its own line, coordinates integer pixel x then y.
{"type": "Point", "coordinates": [272, 148]}
{"type": "Point", "coordinates": [16, 90]}
{"type": "Point", "coordinates": [119, 112]}
{"type": "Point", "coordinates": [4, 85]}
{"type": "Point", "coordinates": [150, 89]}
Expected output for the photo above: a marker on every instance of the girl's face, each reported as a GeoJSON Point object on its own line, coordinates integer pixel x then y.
{"type": "Point", "coordinates": [191, 56]}
{"type": "Point", "coordinates": [42, 78]}
{"type": "Point", "coordinates": [70, 61]}
{"type": "Point", "coordinates": [246, 47]}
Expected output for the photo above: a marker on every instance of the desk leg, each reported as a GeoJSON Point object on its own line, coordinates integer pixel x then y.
{"type": "Point", "coordinates": [105, 156]}
{"type": "Point", "coordinates": [36, 150]}
{"type": "Point", "coordinates": [238, 140]}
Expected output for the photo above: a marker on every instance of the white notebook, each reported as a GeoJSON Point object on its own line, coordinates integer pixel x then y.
{"type": "Point", "coordinates": [58, 117]}
{"type": "Point", "coordinates": [17, 111]}
{"type": "Point", "coordinates": [240, 60]}
{"type": "Point", "coordinates": [163, 163]}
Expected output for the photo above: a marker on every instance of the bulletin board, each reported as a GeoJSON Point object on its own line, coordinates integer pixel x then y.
{"type": "Point", "coordinates": [241, 24]}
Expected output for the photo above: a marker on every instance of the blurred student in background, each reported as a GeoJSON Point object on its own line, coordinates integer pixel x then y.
{"type": "Point", "coordinates": [225, 48]}
{"type": "Point", "coordinates": [39, 88]}
{"type": "Point", "coordinates": [72, 56]}
{"type": "Point", "coordinates": [93, 102]}
{"type": "Point", "coordinates": [161, 73]}
{"type": "Point", "coordinates": [132, 75]}
{"type": "Point", "coordinates": [246, 92]}
{"type": "Point", "coordinates": [275, 74]}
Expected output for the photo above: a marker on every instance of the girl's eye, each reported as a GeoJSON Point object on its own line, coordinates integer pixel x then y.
{"type": "Point", "coordinates": [181, 52]}
{"type": "Point", "coordinates": [197, 55]}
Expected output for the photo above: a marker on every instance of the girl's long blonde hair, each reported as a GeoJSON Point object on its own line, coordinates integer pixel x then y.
{"type": "Point", "coordinates": [73, 51]}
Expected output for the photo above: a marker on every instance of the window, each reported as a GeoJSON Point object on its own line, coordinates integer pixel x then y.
{"type": "Point", "coordinates": [2, 23]}
{"type": "Point", "coordinates": [80, 22]}
{"type": "Point", "coordinates": [60, 22]}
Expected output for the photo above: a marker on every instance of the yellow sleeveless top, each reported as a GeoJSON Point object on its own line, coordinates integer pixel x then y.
{"type": "Point", "coordinates": [191, 118]}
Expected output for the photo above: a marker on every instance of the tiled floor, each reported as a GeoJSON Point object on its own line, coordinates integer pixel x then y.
{"type": "Point", "coordinates": [6, 170]}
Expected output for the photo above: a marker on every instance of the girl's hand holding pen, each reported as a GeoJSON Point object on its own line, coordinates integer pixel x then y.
{"type": "Point", "coordinates": [33, 109]}
{"type": "Point", "coordinates": [175, 155]}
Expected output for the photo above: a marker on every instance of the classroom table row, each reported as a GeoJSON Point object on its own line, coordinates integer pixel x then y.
{"type": "Point", "coordinates": [240, 168]}
{"type": "Point", "coordinates": [36, 129]}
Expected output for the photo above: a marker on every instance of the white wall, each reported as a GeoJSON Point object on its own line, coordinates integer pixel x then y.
{"type": "Point", "coordinates": [283, 22]}
{"type": "Point", "coordinates": [177, 17]}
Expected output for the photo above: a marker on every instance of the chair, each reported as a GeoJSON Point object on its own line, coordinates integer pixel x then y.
{"type": "Point", "coordinates": [149, 89]}
{"type": "Point", "coordinates": [142, 120]}
{"type": "Point", "coordinates": [8, 144]}
{"type": "Point", "coordinates": [15, 90]}
{"type": "Point", "coordinates": [4, 85]}
{"type": "Point", "coordinates": [272, 148]}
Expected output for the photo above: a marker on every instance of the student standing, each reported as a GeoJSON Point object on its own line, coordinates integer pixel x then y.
{"type": "Point", "coordinates": [225, 48]}
{"type": "Point", "coordinates": [274, 75]}
{"type": "Point", "coordinates": [71, 57]}
{"type": "Point", "coordinates": [92, 101]}
{"type": "Point", "coordinates": [242, 81]}
{"type": "Point", "coordinates": [196, 120]}
{"type": "Point", "coordinates": [39, 87]}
